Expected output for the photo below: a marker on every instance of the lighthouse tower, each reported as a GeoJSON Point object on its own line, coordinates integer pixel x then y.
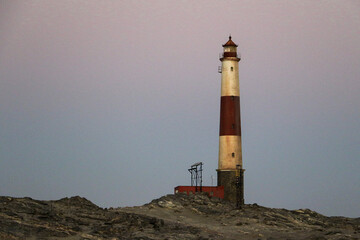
{"type": "Point", "coordinates": [230, 169]}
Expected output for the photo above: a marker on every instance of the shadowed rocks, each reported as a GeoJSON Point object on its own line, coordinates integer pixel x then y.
{"type": "Point", "coordinates": [169, 217]}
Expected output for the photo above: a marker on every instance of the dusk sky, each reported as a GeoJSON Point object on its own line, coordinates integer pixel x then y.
{"type": "Point", "coordinates": [114, 100]}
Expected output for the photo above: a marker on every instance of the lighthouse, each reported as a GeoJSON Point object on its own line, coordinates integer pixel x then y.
{"type": "Point", "coordinates": [230, 168]}
{"type": "Point", "coordinates": [230, 172]}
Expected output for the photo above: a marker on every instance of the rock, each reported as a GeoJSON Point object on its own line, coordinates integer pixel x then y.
{"type": "Point", "coordinates": [170, 217]}
{"type": "Point", "coordinates": [166, 204]}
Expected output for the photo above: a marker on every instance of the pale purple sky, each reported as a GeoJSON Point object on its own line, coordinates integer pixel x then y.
{"type": "Point", "coordinates": [114, 100]}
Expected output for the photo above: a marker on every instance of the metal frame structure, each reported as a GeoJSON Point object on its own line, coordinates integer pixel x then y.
{"type": "Point", "coordinates": [196, 175]}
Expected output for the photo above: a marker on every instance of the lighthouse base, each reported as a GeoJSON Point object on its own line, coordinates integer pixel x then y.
{"type": "Point", "coordinates": [233, 185]}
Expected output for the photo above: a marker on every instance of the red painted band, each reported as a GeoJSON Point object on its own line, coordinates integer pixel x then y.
{"type": "Point", "coordinates": [230, 116]}
{"type": "Point", "coordinates": [230, 54]}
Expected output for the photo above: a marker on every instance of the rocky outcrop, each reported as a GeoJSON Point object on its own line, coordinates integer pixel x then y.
{"type": "Point", "coordinates": [74, 218]}
{"type": "Point", "coordinates": [169, 217]}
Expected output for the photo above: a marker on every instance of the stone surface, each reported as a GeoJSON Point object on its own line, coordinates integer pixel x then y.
{"type": "Point", "coordinates": [227, 179]}
{"type": "Point", "coordinates": [169, 217]}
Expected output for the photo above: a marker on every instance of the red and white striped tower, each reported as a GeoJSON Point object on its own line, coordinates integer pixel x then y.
{"type": "Point", "coordinates": [230, 155]}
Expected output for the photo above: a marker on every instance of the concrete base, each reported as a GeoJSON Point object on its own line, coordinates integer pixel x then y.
{"type": "Point", "coordinates": [228, 180]}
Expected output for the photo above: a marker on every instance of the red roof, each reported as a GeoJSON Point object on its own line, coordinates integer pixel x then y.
{"type": "Point", "coordinates": [230, 43]}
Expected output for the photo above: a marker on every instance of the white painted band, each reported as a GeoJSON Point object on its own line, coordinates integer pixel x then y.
{"type": "Point", "coordinates": [230, 78]}
{"type": "Point", "coordinates": [230, 153]}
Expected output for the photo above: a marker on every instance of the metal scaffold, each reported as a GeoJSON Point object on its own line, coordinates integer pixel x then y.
{"type": "Point", "coordinates": [196, 175]}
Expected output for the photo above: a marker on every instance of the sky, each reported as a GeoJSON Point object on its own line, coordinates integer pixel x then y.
{"type": "Point", "coordinates": [114, 100]}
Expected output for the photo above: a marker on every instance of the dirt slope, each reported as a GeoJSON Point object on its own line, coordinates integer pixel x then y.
{"type": "Point", "coordinates": [169, 217]}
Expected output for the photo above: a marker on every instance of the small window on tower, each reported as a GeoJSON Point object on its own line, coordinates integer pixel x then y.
{"type": "Point", "coordinates": [233, 154]}
{"type": "Point", "coordinates": [232, 69]}
{"type": "Point", "coordinates": [232, 126]}
{"type": "Point", "coordinates": [232, 98]}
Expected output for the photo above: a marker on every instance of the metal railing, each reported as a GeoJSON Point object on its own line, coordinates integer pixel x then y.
{"type": "Point", "coordinates": [221, 55]}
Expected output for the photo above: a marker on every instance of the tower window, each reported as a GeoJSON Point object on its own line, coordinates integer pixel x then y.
{"type": "Point", "coordinates": [232, 98]}
{"type": "Point", "coordinates": [233, 154]}
{"type": "Point", "coordinates": [232, 69]}
{"type": "Point", "coordinates": [232, 126]}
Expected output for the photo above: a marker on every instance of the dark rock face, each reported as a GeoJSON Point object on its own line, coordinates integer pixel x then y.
{"type": "Point", "coordinates": [169, 217]}
{"type": "Point", "coordinates": [73, 218]}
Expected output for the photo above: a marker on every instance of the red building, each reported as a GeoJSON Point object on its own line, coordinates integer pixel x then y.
{"type": "Point", "coordinates": [212, 191]}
